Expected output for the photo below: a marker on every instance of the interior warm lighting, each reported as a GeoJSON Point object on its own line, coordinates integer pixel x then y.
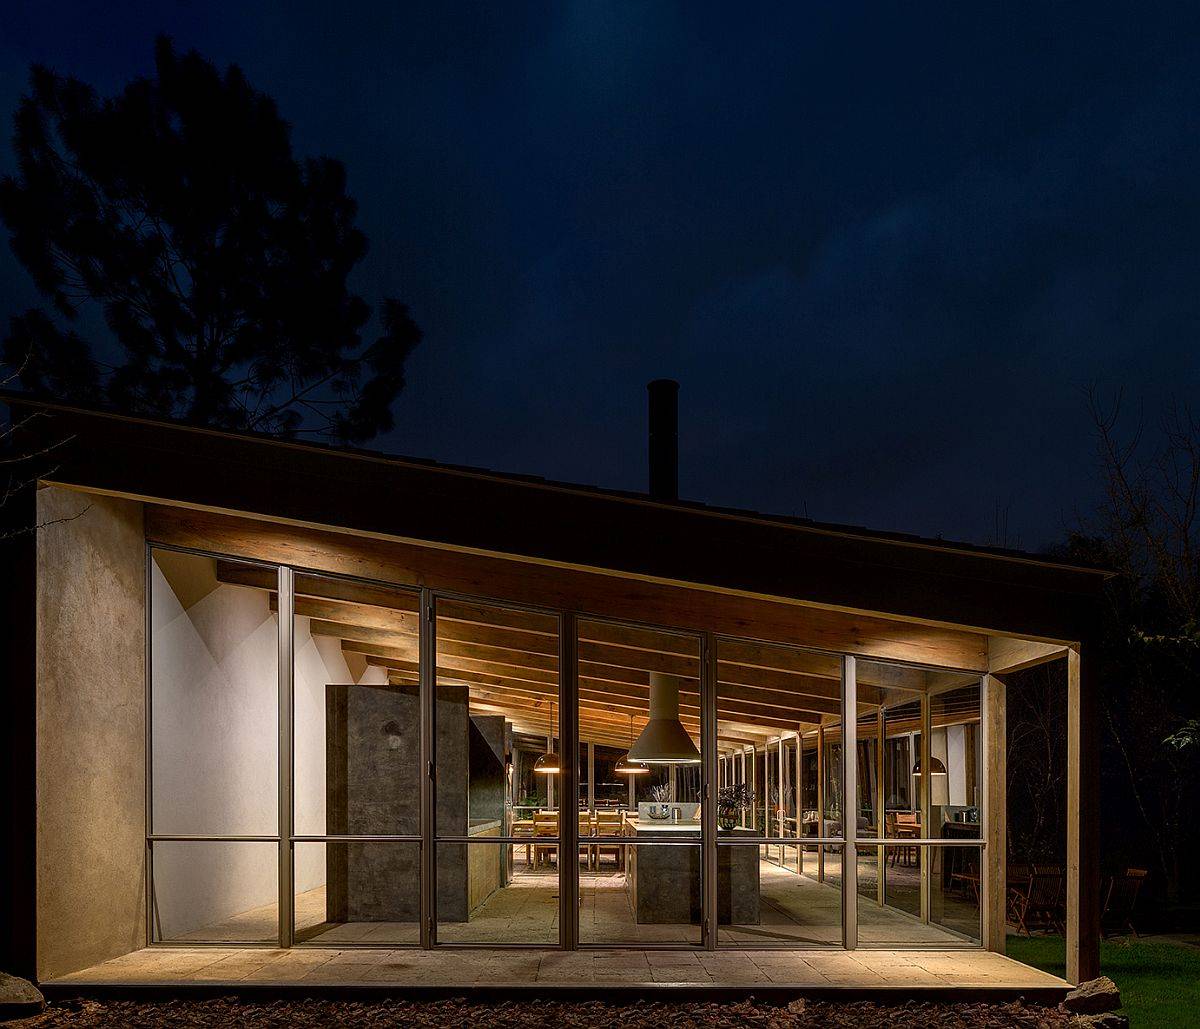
{"type": "Point", "coordinates": [624, 765]}
{"type": "Point", "coordinates": [664, 741]}
{"type": "Point", "coordinates": [939, 781]}
{"type": "Point", "coordinates": [548, 763]}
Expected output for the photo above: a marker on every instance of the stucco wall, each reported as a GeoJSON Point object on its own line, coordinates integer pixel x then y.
{"type": "Point", "coordinates": [90, 730]}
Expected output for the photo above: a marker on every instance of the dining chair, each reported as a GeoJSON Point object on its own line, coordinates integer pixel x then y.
{"type": "Point", "coordinates": [545, 823]}
{"type": "Point", "coordinates": [611, 823]}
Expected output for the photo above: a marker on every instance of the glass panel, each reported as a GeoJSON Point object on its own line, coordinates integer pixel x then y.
{"type": "Point", "coordinates": [497, 754]}
{"type": "Point", "coordinates": [496, 715]}
{"type": "Point", "coordinates": [357, 709]}
{"type": "Point", "coordinates": [778, 730]}
{"type": "Point", "coordinates": [496, 893]}
{"type": "Point", "coordinates": [222, 892]}
{"type": "Point", "coordinates": [954, 744]}
{"type": "Point", "coordinates": [642, 893]}
{"type": "Point", "coordinates": [892, 688]}
{"type": "Point", "coordinates": [639, 708]}
{"type": "Point", "coordinates": [954, 899]}
{"type": "Point", "coordinates": [770, 902]}
{"type": "Point", "coordinates": [350, 893]}
{"type": "Point", "coordinates": [214, 686]}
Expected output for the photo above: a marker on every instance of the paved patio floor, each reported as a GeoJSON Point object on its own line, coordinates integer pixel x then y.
{"type": "Point", "coordinates": [862, 970]}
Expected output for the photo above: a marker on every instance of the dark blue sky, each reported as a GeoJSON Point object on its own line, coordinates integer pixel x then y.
{"type": "Point", "coordinates": [884, 248]}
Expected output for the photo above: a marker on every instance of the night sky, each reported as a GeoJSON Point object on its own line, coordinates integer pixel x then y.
{"type": "Point", "coordinates": [884, 249]}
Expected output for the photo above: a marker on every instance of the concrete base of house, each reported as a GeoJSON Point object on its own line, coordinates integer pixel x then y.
{"type": "Point", "coordinates": [886, 976]}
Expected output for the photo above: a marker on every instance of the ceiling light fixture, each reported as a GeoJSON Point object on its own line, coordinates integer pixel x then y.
{"type": "Point", "coordinates": [627, 767]}
{"type": "Point", "coordinates": [548, 763]}
{"type": "Point", "coordinates": [664, 740]}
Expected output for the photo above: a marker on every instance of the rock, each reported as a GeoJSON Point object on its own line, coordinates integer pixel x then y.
{"type": "Point", "coordinates": [1093, 997]}
{"type": "Point", "coordinates": [1104, 1020]}
{"type": "Point", "coordinates": [19, 998]}
{"type": "Point", "coordinates": [797, 1007]}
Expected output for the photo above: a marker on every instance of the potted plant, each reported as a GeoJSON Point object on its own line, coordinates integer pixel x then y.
{"type": "Point", "coordinates": [731, 802]}
{"type": "Point", "coordinates": [661, 808]}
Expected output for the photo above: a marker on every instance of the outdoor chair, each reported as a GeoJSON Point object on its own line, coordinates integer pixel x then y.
{"type": "Point", "coordinates": [1120, 896]}
{"type": "Point", "coordinates": [1039, 904]}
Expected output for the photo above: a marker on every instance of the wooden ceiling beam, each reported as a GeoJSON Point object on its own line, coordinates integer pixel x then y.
{"type": "Point", "coordinates": [534, 582]}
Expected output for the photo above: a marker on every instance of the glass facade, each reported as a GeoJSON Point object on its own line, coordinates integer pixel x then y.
{"type": "Point", "coordinates": [341, 762]}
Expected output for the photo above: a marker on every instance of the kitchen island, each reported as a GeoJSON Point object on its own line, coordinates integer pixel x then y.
{"type": "Point", "coordinates": [663, 879]}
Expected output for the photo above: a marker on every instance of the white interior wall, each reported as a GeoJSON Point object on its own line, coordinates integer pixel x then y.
{"type": "Point", "coordinates": [956, 764]}
{"type": "Point", "coordinates": [214, 717]}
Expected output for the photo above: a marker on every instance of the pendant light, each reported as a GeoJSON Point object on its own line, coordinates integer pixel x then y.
{"type": "Point", "coordinates": [664, 741]}
{"type": "Point", "coordinates": [627, 767]}
{"type": "Point", "coordinates": [939, 781]}
{"type": "Point", "coordinates": [548, 763]}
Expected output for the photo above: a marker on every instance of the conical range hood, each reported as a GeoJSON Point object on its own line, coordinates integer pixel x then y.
{"type": "Point", "coordinates": [664, 741]}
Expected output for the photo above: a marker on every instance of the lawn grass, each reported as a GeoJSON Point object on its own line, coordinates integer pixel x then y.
{"type": "Point", "coordinates": [1159, 982]}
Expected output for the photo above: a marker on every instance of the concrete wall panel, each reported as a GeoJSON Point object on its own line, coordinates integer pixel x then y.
{"type": "Point", "coordinates": [90, 730]}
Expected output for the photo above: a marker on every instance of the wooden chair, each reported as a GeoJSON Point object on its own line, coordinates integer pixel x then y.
{"type": "Point", "coordinates": [525, 832]}
{"type": "Point", "coordinates": [1120, 896]}
{"type": "Point", "coordinates": [611, 823]}
{"type": "Point", "coordinates": [545, 823]}
{"type": "Point", "coordinates": [904, 823]}
{"type": "Point", "coordinates": [587, 851]}
{"type": "Point", "coordinates": [1039, 904]}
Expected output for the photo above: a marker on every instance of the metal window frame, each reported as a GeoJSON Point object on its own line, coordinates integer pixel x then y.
{"type": "Point", "coordinates": [568, 841]}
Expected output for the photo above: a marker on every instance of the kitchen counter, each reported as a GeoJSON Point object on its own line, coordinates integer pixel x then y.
{"type": "Point", "coordinates": [652, 825]}
{"type": "Point", "coordinates": [664, 884]}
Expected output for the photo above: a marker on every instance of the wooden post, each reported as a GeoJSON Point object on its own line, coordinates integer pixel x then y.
{"type": "Point", "coordinates": [924, 799]}
{"type": "Point", "coordinates": [1083, 822]}
{"type": "Point", "coordinates": [799, 800]}
{"type": "Point", "coordinates": [994, 816]}
{"type": "Point", "coordinates": [780, 814]}
{"type": "Point", "coordinates": [880, 800]}
{"type": "Point", "coordinates": [820, 801]}
{"type": "Point", "coordinates": [849, 802]}
{"type": "Point", "coordinates": [742, 778]}
{"type": "Point", "coordinates": [591, 794]}
{"type": "Point", "coordinates": [754, 784]}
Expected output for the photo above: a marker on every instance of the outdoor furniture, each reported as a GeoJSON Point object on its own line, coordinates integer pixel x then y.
{"type": "Point", "coordinates": [1120, 896]}
{"type": "Point", "coordinates": [545, 823]}
{"type": "Point", "coordinates": [1039, 904]}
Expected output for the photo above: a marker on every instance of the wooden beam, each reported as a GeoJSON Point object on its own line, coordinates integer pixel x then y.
{"type": "Point", "coordinates": [572, 589]}
{"type": "Point", "coordinates": [1012, 655]}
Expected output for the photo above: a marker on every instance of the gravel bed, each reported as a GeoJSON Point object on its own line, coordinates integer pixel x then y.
{"type": "Point", "coordinates": [83, 1014]}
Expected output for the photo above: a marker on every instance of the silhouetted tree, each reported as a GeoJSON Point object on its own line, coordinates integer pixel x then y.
{"type": "Point", "coordinates": [216, 259]}
{"type": "Point", "coordinates": [1148, 528]}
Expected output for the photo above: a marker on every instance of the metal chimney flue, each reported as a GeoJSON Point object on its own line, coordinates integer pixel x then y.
{"type": "Point", "coordinates": [664, 439]}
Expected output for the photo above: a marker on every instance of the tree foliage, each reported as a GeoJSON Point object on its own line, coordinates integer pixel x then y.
{"type": "Point", "coordinates": [1148, 529]}
{"type": "Point", "coordinates": [175, 217]}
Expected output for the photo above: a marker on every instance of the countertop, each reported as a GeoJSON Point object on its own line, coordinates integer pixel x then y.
{"type": "Point", "coordinates": [651, 825]}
